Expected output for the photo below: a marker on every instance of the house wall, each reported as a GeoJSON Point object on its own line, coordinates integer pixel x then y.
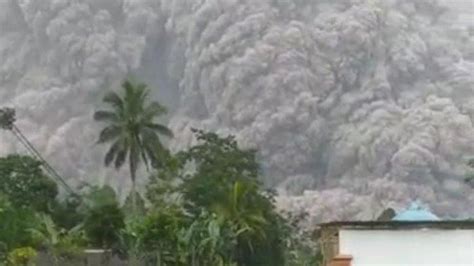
{"type": "Point", "coordinates": [424, 247]}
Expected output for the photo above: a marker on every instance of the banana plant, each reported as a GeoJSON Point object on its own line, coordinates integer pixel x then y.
{"type": "Point", "coordinates": [241, 209]}
{"type": "Point", "coordinates": [59, 243]}
{"type": "Point", "coordinates": [208, 241]}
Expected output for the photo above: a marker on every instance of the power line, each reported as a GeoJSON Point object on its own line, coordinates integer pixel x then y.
{"type": "Point", "coordinates": [48, 167]}
{"type": "Point", "coordinates": [7, 122]}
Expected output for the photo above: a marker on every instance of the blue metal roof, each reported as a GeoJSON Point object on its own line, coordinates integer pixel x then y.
{"type": "Point", "coordinates": [416, 213]}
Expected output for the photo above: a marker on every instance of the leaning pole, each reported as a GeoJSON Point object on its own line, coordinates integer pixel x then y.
{"type": "Point", "coordinates": [7, 122]}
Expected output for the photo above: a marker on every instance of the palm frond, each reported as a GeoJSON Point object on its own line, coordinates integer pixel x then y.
{"type": "Point", "coordinates": [114, 99]}
{"type": "Point", "coordinates": [161, 129]}
{"type": "Point", "coordinates": [129, 99]}
{"type": "Point", "coordinates": [149, 137]}
{"type": "Point", "coordinates": [151, 154]}
{"type": "Point", "coordinates": [134, 95]}
{"type": "Point", "coordinates": [142, 93]}
{"type": "Point", "coordinates": [157, 155]}
{"type": "Point", "coordinates": [143, 153]}
{"type": "Point", "coordinates": [109, 157]}
{"type": "Point", "coordinates": [133, 107]}
{"type": "Point", "coordinates": [150, 143]}
{"type": "Point", "coordinates": [109, 133]}
{"type": "Point", "coordinates": [153, 110]}
{"type": "Point", "coordinates": [154, 149]}
{"type": "Point", "coordinates": [121, 158]}
{"type": "Point", "coordinates": [105, 116]}
{"type": "Point", "coordinates": [127, 85]}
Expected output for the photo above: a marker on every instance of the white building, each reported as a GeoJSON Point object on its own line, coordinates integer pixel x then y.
{"type": "Point", "coordinates": [415, 237]}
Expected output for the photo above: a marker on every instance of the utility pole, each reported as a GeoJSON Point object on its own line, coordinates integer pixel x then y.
{"type": "Point", "coordinates": [7, 122]}
{"type": "Point", "coordinates": [7, 118]}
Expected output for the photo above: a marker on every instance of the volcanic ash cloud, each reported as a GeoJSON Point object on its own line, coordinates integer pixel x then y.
{"type": "Point", "coordinates": [355, 105]}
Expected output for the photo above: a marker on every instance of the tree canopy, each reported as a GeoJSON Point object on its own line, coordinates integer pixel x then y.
{"type": "Point", "coordinates": [25, 184]}
{"type": "Point", "coordinates": [221, 189]}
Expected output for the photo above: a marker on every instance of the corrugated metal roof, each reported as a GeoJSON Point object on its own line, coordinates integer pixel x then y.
{"type": "Point", "coordinates": [402, 225]}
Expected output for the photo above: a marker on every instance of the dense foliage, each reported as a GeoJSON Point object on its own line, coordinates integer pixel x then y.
{"type": "Point", "coordinates": [14, 223]}
{"type": "Point", "coordinates": [104, 218]}
{"type": "Point", "coordinates": [225, 182]}
{"type": "Point", "coordinates": [221, 211]}
{"type": "Point", "coordinates": [24, 183]}
{"type": "Point", "coordinates": [203, 206]}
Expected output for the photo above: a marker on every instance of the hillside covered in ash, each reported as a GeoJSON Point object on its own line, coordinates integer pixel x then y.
{"type": "Point", "coordinates": [354, 105]}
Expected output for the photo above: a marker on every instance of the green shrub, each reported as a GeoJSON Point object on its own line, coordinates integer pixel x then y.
{"type": "Point", "coordinates": [104, 219]}
{"type": "Point", "coordinates": [58, 242]}
{"type": "Point", "coordinates": [14, 225]}
{"type": "Point", "coordinates": [67, 213]}
{"type": "Point", "coordinates": [22, 257]}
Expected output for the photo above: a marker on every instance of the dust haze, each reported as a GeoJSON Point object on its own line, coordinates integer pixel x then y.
{"type": "Point", "coordinates": [355, 105]}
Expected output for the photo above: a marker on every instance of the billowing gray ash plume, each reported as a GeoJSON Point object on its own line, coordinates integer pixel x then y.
{"type": "Point", "coordinates": [355, 105]}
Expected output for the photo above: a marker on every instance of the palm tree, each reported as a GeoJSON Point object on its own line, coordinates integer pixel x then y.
{"type": "Point", "coordinates": [132, 130]}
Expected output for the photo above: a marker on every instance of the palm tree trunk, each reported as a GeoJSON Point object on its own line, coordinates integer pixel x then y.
{"type": "Point", "coordinates": [133, 191]}
{"type": "Point", "coordinates": [134, 199]}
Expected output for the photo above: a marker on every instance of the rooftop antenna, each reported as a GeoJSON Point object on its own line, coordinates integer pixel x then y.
{"type": "Point", "coordinates": [7, 122]}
